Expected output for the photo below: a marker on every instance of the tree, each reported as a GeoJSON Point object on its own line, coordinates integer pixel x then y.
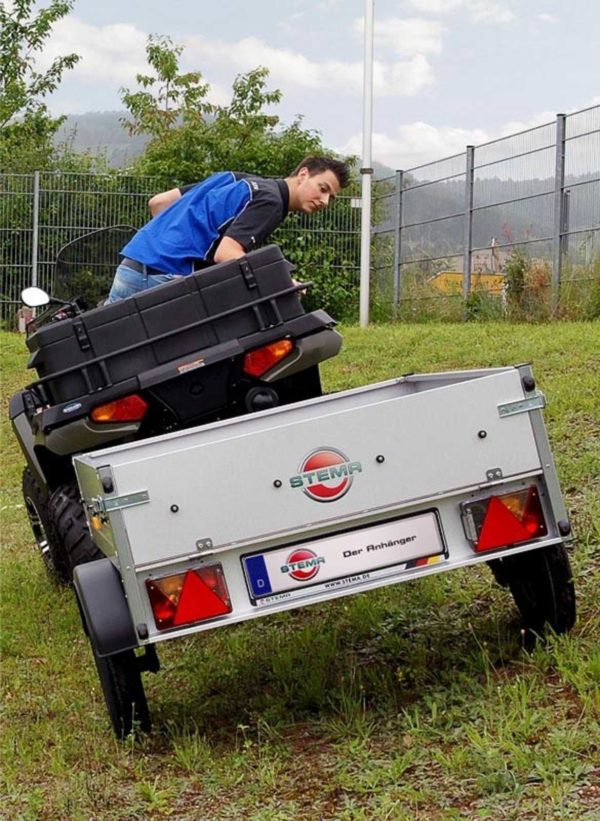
{"type": "Point", "coordinates": [167, 100]}
{"type": "Point", "coordinates": [191, 138]}
{"type": "Point", "coordinates": [22, 33]}
{"type": "Point", "coordinates": [26, 126]}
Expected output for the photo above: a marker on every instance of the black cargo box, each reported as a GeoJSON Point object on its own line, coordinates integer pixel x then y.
{"type": "Point", "coordinates": [108, 345]}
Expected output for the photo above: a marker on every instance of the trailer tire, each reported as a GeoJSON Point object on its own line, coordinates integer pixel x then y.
{"type": "Point", "coordinates": [121, 682]}
{"type": "Point", "coordinates": [68, 519]}
{"type": "Point", "coordinates": [49, 545]}
{"type": "Point", "coordinates": [541, 583]}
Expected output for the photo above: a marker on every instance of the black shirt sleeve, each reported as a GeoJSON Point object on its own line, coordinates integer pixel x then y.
{"type": "Point", "coordinates": [261, 216]}
{"type": "Point", "coordinates": [185, 188]}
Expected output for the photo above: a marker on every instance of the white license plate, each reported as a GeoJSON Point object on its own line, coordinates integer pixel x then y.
{"type": "Point", "coordinates": [402, 541]}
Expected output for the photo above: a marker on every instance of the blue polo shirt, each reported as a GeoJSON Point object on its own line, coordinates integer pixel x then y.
{"type": "Point", "coordinates": [184, 237]}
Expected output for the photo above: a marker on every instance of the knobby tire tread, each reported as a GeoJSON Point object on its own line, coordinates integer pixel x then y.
{"type": "Point", "coordinates": [55, 558]}
{"type": "Point", "coordinates": [71, 527]}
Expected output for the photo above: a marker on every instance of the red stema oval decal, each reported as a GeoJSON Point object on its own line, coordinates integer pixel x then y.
{"type": "Point", "coordinates": [302, 564]}
{"type": "Point", "coordinates": [327, 474]}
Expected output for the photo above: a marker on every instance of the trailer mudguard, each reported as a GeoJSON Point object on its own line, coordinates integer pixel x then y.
{"type": "Point", "coordinates": [103, 607]}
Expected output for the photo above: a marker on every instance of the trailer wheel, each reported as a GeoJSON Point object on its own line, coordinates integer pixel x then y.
{"type": "Point", "coordinates": [37, 506]}
{"type": "Point", "coordinates": [123, 690]}
{"type": "Point", "coordinates": [68, 519]}
{"type": "Point", "coordinates": [541, 583]}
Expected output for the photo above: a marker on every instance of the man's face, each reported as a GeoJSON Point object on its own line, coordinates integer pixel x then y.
{"type": "Point", "coordinates": [316, 192]}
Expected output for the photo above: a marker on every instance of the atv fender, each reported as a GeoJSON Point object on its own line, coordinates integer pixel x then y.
{"type": "Point", "coordinates": [103, 606]}
{"type": "Point", "coordinates": [25, 437]}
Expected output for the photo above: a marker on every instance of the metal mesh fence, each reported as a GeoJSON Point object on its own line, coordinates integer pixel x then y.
{"type": "Point", "coordinates": [467, 222]}
{"type": "Point", "coordinates": [441, 231]}
{"type": "Point", "coordinates": [42, 212]}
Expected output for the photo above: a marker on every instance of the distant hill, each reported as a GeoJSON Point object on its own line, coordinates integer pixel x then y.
{"type": "Point", "coordinates": [101, 132]}
{"type": "Point", "coordinates": [381, 171]}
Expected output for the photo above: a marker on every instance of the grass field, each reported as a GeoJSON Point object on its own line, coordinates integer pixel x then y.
{"type": "Point", "coordinates": [414, 703]}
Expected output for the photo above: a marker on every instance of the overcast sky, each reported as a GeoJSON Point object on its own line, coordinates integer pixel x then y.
{"type": "Point", "coordinates": [446, 72]}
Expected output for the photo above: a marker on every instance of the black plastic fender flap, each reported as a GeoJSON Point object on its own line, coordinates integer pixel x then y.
{"type": "Point", "coordinates": [103, 606]}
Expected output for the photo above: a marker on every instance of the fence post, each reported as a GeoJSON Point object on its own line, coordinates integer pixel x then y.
{"type": "Point", "coordinates": [36, 227]}
{"type": "Point", "coordinates": [397, 237]}
{"type": "Point", "coordinates": [559, 210]}
{"type": "Point", "coordinates": [468, 238]}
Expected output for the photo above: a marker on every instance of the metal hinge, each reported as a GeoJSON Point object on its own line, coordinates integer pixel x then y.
{"type": "Point", "coordinates": [536, 401]}
{"type": "Point", "coordinates": [99, 504]}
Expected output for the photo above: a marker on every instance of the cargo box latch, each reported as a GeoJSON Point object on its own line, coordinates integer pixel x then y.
{"type": "Point", "coordinates": [81, 334]}
{"type": "Point", "coordinates": [248, 273]}
{"type": "Point", "coordinates": [99, 504]}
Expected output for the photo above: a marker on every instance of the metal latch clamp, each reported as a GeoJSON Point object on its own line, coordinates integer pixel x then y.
{"type": "Point", "coordinates": [536, 401]}
{"type": "Point", "coordinates": [99, 505]}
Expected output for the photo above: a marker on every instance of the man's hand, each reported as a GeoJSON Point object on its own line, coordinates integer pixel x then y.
{"type": "Point", "coordinates": [303, 291]}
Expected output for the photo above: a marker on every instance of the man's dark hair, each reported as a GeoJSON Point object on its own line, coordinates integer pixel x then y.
{"type": "Point", "coordinates": [318, 165]}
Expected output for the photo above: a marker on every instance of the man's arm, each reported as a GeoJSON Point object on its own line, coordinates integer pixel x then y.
{"type": "Point", "coordinates": [227, 249]}
{"type": "Point", "coordinates": [230, 249]}
{"type": "Point", "coordinates": [159, 202]}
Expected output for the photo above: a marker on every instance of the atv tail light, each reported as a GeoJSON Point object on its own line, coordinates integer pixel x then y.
{"type": "Point", "coordinates": [189, 597]}
{"type": "Point", "coordinates": [129, 409]}
{"type": "Point", "coordinates": [259, 361]}
{"type": "Point", "coordinates": [504, 521]}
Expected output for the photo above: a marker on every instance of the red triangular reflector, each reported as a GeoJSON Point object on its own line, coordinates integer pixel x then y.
{"type": "Point", "coordinates": [198, 602]}
{"type": "Point", "coordinates": [500, 527]}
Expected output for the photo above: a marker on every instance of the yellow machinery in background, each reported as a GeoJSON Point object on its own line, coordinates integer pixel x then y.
{"type": "Point", "coordinates": [451, 282]}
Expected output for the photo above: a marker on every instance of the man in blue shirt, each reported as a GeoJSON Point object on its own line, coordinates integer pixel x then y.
{"type": "Point", "coordinates": [219, 219]}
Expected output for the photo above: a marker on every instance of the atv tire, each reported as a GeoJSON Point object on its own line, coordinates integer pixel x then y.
{"type": "Point", "coordinates": [49, 545]}
{"type": "Point", "coordinates": [68, 519]}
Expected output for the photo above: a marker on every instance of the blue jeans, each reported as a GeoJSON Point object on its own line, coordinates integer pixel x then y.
{"type": "Point", "coordinates": [128, 282]}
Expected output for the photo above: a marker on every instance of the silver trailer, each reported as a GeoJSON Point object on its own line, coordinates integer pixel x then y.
{"type": "Point", "coordinates": [313, 501]}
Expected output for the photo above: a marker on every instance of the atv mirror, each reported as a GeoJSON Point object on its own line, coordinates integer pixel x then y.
{"type": "Point", "coordinates": [34, 297]}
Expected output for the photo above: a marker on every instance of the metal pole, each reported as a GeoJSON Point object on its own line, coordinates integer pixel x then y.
{"type": "Point", "coordinates": [468, 240]}
{"type": "Point", "coordinates": [397, 237]}
{"type": "Point", "coordinates": [559, 210]}
{"type": "Point", "coordinates": [366, 171]}
{"type": "Point", "coordinates": [36, 225]}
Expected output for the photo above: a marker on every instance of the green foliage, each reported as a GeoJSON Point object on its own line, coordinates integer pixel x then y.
{"type": "Point", "coordinates": [27, 143]}
{"type": "Point", "coordinates": [481, 304]}
{"type": "Point", "coordinates": [167, 98]}
{"type": "Point", "coordinates": [26, 127]}
{"type": "Point", "coordinates": [516, 267]}
{"type": "Point", "coordinates": [580, 291]}
{"type": "Point", "coordinates": [326, 263]}
{"type": "Point", "coordinates": [24, 31]}
{"type": "Point", "coordinates": [191, 138]}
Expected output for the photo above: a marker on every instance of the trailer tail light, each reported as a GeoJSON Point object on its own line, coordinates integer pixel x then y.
{"type": "Point", "coordinates": [189, 597]}
{"type": "Point", "coordinates": [128, 409]}
{"type": "Point", "coordinates": [504, 521]}
{"type": "Point", "coordinates": [260, 360]}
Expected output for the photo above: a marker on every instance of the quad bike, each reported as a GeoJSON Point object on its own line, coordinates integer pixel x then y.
{"type": "Point", "coordinates": [230, 340]}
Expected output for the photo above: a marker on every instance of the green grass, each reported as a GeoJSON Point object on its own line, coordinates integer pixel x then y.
{"type": "Point", "coordinates": [413, 702]}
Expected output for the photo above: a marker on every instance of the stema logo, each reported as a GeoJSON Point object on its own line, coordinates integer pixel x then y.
{"type": "Point", "coordinates": [325, 475]}
{"type": "Point", "coordinates": [302, 564]}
